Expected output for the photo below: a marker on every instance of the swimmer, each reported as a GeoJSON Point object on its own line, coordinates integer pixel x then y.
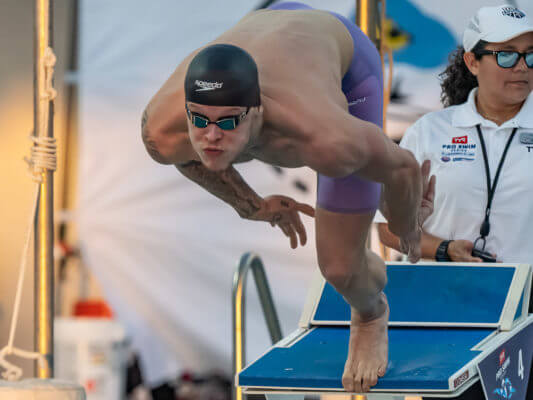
{"type": "Point", "coordinates": [293, 86]}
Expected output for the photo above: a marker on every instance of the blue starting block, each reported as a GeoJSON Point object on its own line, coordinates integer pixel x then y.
{"type": "Point", "coordinates": [450, 324]}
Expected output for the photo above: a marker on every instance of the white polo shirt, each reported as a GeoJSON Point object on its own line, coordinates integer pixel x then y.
{"type": "Point", "coordinates": [450, 140]}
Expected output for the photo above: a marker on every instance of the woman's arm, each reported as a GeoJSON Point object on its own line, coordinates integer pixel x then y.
{"type": "Point", "coordinates": [458, 250]}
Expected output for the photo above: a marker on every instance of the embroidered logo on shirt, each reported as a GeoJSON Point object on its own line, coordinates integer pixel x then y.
{"type": "Point", "coordinates": [460, 139]}
{"type": "Point", "coordinates": [526, 138]}
{"type": "Point", "coordinates": [458, 150]}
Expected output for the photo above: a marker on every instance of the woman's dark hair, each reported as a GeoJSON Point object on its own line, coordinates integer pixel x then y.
{"type": "Point", "coordinates": [456, 80]}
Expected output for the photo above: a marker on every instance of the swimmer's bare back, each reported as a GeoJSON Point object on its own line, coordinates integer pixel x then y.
{"type": "Point", "coordinates": [301, 57]}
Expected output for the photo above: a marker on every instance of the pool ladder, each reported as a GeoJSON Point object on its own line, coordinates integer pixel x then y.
{"type": "Point", "coordinates": [250, 261]}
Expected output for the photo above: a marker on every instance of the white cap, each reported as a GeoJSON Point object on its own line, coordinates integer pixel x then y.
{"type": "Point", "coordinates": [496, 24]}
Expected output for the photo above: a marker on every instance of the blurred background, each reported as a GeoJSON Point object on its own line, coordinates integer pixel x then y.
{"type": "Point", "coordinates": [137, 243]}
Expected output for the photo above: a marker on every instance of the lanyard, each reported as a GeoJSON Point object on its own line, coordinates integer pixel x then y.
{"type": "Point", "coordinates": [485, 226]}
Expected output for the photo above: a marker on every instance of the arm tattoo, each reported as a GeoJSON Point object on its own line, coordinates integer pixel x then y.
{"type": "Point", "coordinates": [227, 185]}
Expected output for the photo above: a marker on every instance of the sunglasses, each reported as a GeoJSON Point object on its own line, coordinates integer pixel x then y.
{"type": "Point", "coordinates": [225, 123]}
{"type": "Point", "coordinates": [508, 59]}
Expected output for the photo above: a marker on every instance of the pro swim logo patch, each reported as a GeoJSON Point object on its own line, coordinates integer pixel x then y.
{"type": "Point", "coordinates": [204, 85]}
{"type": "Point", "coordinates": [458, 150]}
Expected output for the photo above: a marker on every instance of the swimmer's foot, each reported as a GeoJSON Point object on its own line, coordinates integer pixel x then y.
{"type": "Point", "coordinates": [368, 351]}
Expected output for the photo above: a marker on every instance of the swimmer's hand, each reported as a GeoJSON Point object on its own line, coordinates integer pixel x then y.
{"type": "Point", "coordinates": [410, 244]}
{"type": "Point", "coordinates": [428, 193]}
{"type": "Point", "coordinates": [284, 212]}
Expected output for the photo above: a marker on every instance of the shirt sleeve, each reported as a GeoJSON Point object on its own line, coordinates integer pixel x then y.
{"type": "Point", "coordinates": [411, 140]}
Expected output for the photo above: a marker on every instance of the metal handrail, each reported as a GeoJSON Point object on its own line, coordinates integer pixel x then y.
{"type": "Point", "coordinates": [250, 261]}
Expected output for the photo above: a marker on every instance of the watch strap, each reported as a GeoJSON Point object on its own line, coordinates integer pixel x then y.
{"type": "Point", "coordinates": [442, 251]}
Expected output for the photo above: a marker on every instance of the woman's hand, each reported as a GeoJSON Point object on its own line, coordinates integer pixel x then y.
{"type": "Point", "coordinates": [461, 250]}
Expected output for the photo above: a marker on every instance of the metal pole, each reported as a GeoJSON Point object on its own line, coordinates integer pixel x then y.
{"type": "Point", "coordinates": [44, 229]}
{"type": "Point", "coordinates": [367, 17]}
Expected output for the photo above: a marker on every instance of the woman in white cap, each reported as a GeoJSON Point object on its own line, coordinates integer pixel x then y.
{"type": "Point", "coordinates": [481, 149]}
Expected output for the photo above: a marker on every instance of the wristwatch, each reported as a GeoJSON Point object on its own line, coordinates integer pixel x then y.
{"type": "Point", "coordinates": [442, 251]}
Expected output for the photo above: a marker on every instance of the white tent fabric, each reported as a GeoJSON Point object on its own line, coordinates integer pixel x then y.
{"type": "Point", "coordinates": [163, 249]}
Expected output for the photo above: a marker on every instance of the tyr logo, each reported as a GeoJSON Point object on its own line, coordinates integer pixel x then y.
{"type": "Point", "coordinates": [460, 139]}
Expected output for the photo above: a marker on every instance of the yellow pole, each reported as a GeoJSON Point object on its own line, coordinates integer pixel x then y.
{"type": "Point", "coordinates": [367, 17]}
{"type": "Point", "coordinates": [44, 230]}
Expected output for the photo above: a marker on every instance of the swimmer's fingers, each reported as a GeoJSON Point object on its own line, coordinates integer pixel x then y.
{"type": "Point", "coordinates": [299, 227]}
{"type": "Point", "coordinates": [424, 170]}
{"type": "Point", "coordinates": [294, 238]}
{"type": "Point", "coordinates": [306, 209]}
{"type": "Point", "coordinates": [290, 233]}
{"type": "Point", "coordinates": [284, 228]}
{"type": "Point", "coordinates": [430, 193]}
{"type": "Point", "coordinates": [410, 245]}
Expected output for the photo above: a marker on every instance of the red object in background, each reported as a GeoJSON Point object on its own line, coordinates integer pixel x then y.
{"type": "Point", "coordinates": [92, 309]}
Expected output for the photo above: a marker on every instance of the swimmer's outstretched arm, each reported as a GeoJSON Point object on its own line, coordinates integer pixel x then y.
{"type": "Point", "coordinates": [227, 185]}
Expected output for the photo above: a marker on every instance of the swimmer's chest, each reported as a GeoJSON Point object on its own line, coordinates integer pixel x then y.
{"type": "Point", "coordinates": [279, 148]}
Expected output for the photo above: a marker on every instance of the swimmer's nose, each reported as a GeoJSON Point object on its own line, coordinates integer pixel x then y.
{"type": "Point", "coordinates": [213, 133]}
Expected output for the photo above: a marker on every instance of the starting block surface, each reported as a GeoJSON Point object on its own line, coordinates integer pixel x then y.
{"type": "Point", "coordinates": [445, 319]}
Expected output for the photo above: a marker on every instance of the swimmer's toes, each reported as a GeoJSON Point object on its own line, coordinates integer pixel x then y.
{"type": "Point", "coordinates": [347, 382]}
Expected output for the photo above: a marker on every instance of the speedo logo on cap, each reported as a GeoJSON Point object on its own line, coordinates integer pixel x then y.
{"type": "Point", "coordinates": [513, 12]}
{"type": "Point", "coordinates": [204, 85]}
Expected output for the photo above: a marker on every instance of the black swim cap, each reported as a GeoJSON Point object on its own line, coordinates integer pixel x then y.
{"type": "Point", "coordinates": [223, 75]}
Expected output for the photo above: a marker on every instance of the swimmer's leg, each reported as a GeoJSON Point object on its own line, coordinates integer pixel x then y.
{"type": "Point", "coordinates": [359, 276]}
{"type": "Point", "coordinates": [357, 273]}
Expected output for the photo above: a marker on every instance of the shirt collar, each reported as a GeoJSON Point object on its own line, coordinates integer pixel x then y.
{"type": "Point", "coordinates": [524, 118]}
{"type": "Point", "coordinates": [466, 115]}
